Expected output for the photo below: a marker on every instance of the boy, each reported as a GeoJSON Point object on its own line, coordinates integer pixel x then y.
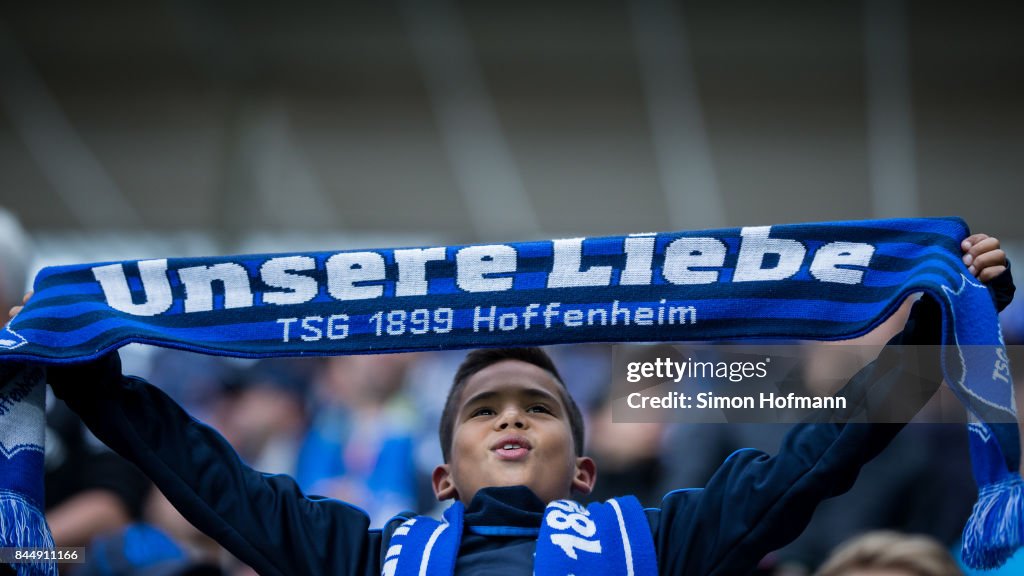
{"type": "Point", "coordinates": [512, 439]}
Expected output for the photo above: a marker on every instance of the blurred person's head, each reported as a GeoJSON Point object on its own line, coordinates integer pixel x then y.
{"type": "Point", "coordinates": [196, 381]}
{"type": "Point", "coordinates": [509, 421]}
{"type": "Point", "coordinates": [267, 403]}
{"type": "Point", "coordinates": [618, 446]}
{"type": "Point", "coordinates": [14, 258]}
{"type": "Point", "coordinates": [887, 553]}
{"type": "Point", "coordinates": [363, 381]}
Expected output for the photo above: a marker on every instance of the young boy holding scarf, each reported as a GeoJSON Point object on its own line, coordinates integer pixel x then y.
{"type": "Point", "coordinates": [512, 439]}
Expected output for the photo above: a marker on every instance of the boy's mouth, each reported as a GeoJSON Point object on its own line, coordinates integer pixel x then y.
{"type": "Point", "coordinates": [511, 448]}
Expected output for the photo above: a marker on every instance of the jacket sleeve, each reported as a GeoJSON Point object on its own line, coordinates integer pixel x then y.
{"type": "Point", "coordinates": [265, 520]}
{"type": "Point", "coordinates": [756, 503]}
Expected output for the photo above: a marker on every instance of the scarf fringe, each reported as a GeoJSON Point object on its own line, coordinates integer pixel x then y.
{"type": "Point", "coordinates": [22, 525]}
{"type": "Point", "coordinates": [995, 529]}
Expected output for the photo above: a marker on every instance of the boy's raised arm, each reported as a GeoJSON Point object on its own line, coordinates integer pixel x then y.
{"type": "Point", "coordinates": [756, 503]}
{"type": "Point", "coordinates": [264, 520]}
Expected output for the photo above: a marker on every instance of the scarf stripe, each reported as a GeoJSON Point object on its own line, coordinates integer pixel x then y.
{"type": "Point", "coordinates": [627, 549]}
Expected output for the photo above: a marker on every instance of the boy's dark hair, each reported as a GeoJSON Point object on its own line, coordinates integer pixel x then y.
{"type": "Point", "coordinates": [476, 361]}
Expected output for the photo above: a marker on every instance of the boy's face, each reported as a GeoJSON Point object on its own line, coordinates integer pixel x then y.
{"type": "Point", "coordinates": [512, 428]}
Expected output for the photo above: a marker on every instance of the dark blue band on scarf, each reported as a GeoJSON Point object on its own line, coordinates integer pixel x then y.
{"type": "Point", "coordinates": [823, 281]}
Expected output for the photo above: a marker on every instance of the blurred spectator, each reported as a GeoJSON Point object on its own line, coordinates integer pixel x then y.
{"type": "Point", "coordinates": [587, 370]}
{"type": "Point", "coordinates": [885, 553]}
{"type": "Point", "coordinates": [196, 381]}
{"type": "Point", "coordinates": [360, 447]}
{"type": "Point", "coordinates": [140, 550]}
{"type": "Point", "coordinates": [628, 457]}
{"type": "Point", "coordinates": [266, 418]}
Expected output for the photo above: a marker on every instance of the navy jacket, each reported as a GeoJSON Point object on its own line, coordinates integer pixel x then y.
{"type": "Point", "coordinates": [752, 505]}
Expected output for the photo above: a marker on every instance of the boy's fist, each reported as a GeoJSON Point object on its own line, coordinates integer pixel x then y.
{"type": "Point", "coordinates": [16, 309]}
{"type": "Point", "coordinates": [983, 257]}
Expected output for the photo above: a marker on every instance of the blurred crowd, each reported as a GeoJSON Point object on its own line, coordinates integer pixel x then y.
{"type": "Point", "coordinates": [363, 429]}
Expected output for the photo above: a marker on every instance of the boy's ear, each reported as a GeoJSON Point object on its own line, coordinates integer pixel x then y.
{"type": "Point", "coordinates": [586, 475]}
{"type": "Point", "coordinates": [444, 487]}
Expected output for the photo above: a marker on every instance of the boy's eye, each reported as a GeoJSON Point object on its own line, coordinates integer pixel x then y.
{"type": "Point", "coordinates": [541, 409]}
{"type": "Point", "coordinates": [483, 412]}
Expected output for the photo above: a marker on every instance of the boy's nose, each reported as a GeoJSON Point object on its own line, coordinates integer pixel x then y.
{"type": "Point", "coordinates": [511, 418]}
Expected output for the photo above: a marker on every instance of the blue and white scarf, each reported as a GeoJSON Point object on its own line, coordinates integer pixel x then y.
{"type": "Point", "coordinates": [22, 429]}
{"type": "Point", "coordinates": [826, 281]}
{"type": "Point", "coordinates": [611, 538]}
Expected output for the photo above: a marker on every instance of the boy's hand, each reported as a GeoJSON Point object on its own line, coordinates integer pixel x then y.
{"type": "Point", "coordinates": [16, 309]}
{"type": "Point", "coordinates": [983, 257]}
